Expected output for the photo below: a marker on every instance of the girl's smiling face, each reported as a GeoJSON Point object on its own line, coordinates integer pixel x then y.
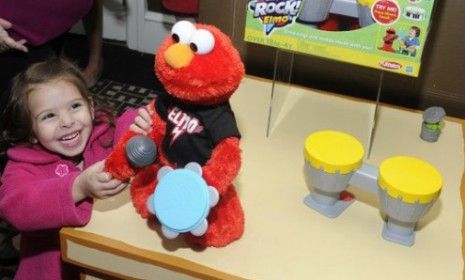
{"type": "Point", "coordinates": [61, 117]}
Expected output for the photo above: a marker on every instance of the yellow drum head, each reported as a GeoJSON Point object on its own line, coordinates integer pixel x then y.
{"type": "Point", "coordinates": [333, 151]}
{"type": "Point", "coordinates": [410, 178]}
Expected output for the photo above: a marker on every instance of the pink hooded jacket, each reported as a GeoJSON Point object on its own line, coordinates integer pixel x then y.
{"type": "Point", "coordinates": [36, 198]}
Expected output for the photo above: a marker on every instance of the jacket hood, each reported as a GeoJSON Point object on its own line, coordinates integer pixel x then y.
{"type": "Point", "coordinates": [36, 154]}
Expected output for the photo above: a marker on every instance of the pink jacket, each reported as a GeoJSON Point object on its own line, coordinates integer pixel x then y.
{"type": "Point", "coordinates": [36, 198]}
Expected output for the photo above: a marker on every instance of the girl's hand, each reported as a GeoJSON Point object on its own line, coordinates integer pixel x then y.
{"type": "Point", "coordinates": [6, 42]}
{"type": "Point", "coordinates": [96, 183]}
{"type": "Point", "coordinates": [143, 122]}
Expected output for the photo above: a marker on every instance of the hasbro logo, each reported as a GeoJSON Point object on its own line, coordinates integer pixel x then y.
{"type": "Point", "coordinates": [409, 69]}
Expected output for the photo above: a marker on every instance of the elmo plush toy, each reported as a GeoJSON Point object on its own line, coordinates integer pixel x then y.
{"type": "Point", "coordinates": [193, 122]}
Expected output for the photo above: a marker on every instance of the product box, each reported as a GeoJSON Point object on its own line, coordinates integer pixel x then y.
{"type": "Point", "coordinates": [383, 34]}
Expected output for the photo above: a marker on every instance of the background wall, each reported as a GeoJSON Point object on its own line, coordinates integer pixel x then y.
{"type": "Point", "coordinates": [442, 76]}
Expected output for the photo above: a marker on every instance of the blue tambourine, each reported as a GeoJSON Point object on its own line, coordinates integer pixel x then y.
{"type": "Point", "coordinates": [182, 200]}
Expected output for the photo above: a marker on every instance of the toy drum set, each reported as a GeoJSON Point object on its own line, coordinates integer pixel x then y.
{"type": "Point", "coordinates": [407, 187]}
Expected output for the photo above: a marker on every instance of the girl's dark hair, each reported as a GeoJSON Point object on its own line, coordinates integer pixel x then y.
{"type": "Point", "coordinates": [16, 127]}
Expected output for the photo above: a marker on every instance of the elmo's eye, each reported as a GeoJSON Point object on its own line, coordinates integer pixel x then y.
{"type": "Point", "coordinates": [182, 31]}
{"type": "Point", "coordinates": [202, 41]}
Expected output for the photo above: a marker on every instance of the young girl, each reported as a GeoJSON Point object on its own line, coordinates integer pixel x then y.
{"type": "Point", "coordinates": [58, 138]}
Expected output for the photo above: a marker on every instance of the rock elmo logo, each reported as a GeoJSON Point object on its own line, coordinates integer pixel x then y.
{"type": "Point", "coordinates": [390, 65]}
{"type": "Point", "coordinates": [275, 13]}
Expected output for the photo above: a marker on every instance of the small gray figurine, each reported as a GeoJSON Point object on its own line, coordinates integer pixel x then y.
{"type": "Point", "coordinates": [432, 123]}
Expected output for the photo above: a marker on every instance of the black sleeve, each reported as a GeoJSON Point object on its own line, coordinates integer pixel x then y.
{"type": "Point", "coordinates": [222, 124]}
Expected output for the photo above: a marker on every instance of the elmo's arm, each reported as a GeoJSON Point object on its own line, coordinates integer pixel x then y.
{"type": "Point", "coordinates": [224, 164]}
{"type": "Point", "coordinates": [117, 164]}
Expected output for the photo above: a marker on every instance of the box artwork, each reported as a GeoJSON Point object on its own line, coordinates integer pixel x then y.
{"type": "Point", "coordinates": [382, 34]}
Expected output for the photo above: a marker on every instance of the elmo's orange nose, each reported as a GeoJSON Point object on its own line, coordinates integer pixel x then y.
{"type": "Point", "coordinates": [178, 55]}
